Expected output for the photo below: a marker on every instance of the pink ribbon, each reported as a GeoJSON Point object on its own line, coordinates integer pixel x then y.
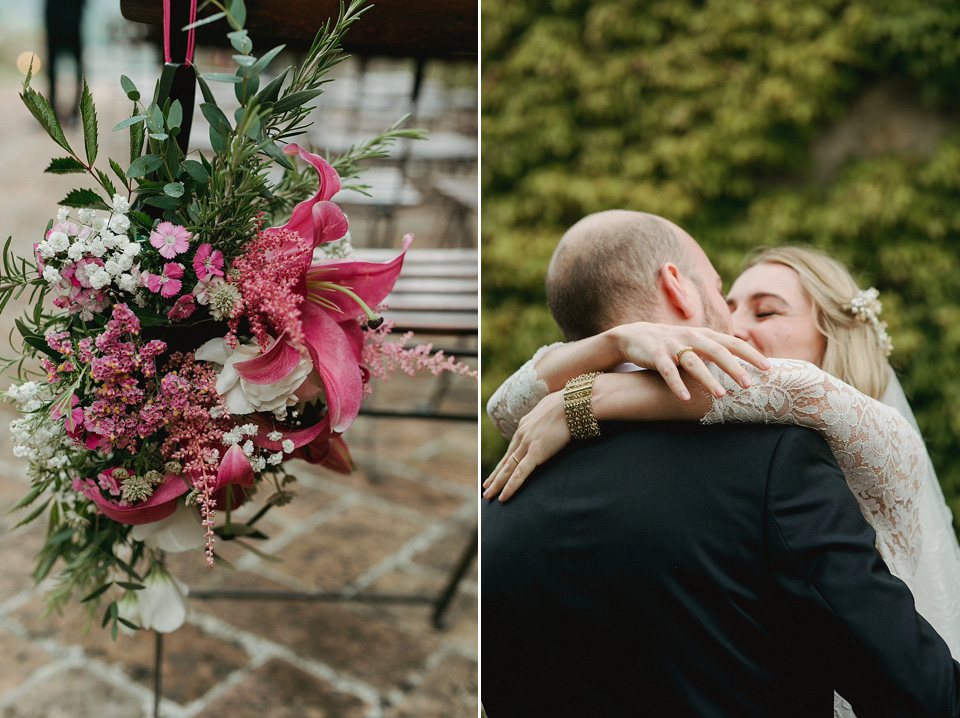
{"type": "Point", "coordinates": [190, 33]}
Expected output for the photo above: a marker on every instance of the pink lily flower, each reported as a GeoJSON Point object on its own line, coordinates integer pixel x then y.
{"type": "Point", "coordinates": [337, 292]}
{"type": "Point", "coordinates": [317, 218]}
{"type": "Point", "coordinates": [161, 504]}
{"type": "Point", "coordinates": [234, 468]}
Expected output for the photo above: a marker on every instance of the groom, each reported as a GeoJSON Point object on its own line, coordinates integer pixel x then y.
{"type": "Point", "coordinates": [684, 570]}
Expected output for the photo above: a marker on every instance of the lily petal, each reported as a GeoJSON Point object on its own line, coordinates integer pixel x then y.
{"type": "Point", "coordinates": [159, 506]}
{"type": "Point", "coordinates": [371, 281]}
{"type": "Point", "coordinates": [299, 437]}
{"type": "Point", "coordinates": [234, 468]}
{"type": "Point", "coordinates": [271, 366]}
{"type": "Point", "coordinates": [302, 219]}
{"type": "Point", "coordinates": [336, 361]}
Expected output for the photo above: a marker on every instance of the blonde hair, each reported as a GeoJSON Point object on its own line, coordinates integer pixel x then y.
{"type": "Point", "coordinates": [852, 351]}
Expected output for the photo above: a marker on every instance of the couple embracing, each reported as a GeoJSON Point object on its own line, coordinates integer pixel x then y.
{"type": "Point", "coordinates": [750, 526]}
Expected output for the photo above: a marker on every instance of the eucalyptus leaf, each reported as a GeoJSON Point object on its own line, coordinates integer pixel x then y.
{"type": "Point", "coordinates": [241, 41]}
{"type": "Point", "coordinates": [175, 115]}
{"type": "Point", "coordinates": [162, 202]}
{"type": "Point", "coordinates": [262, 63]}
{"type": "Point", "coordinates": [196, 171]}
{"type": "Point", "coordinates": [294, 100]}
{"type": "Point", "coordinates": [270, 93]}
{"type": "Point", "coordinates": [144, 165]}
{"type": "Point", "coordinates": [276, 154]}
{"type": "Point", "coordinates": [205, 90]}
{"type": "Point", "coordinates": [173, 189]}
{"type": "Point", "coordinates": [126, 83]}
{"type": "Point", "coordinates": [220, 77]}
{"type": "Point", "coordinates": [244, 60]}
{"type": "Point", "coordinates": [159, 136]}
{"type": "Point", "coordinates": [129, 121]}
{"type": "Point", "coordinates": [237, 14]}
{"type": "Point", "coordinates": [218, 121]}
{"type": "Point", "coordinates": [205, 21]}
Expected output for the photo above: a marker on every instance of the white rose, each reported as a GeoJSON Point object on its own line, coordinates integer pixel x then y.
{"type": "Point", "coordinates": [242, 396]}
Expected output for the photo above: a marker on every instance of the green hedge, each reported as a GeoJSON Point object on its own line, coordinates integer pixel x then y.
{"type": "Point", "coordinates": [706, 113]}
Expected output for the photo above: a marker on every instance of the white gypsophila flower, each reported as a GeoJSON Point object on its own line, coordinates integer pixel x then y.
{"type": "Point", "coordinates": [232, 437]}
{"type": "Point", "coordinates": [163, 603]}
{"type": "Point", "coordinates": [257, 463]}
{"type": "Point", "coordinates": [287, 445]}
{"type": "Point", "coordinates": [45, 250]}
{"type": "Point", "coordinates": [109, 239]}
{"type": "Point", "coordinates": [248, 448]}
{"type": "Point", "coordinates": [58, 241]}
{"type": "Point", "coordinates": [112, 267]}
{"type": "Point", "coordinates": [125, 262]}
{"type": "Point", "coordinates": [120, 204]}
{"type": "Point", "coordinates": [97, 247]}
{"type": "Point", "coordinates": [274, 436]}
{"type": "Point", "coordinates": [51, 274]}
{"type": "Point", "coordinates": [62, 214]}
{"type": "Point", "coordinates": [180, 531]}
{"type": "Point", "coordinates": [77, 250]}
{"type": "Point", "coordinates": [99, 224]}
{"type": "Point", "coordinates": [216, 412]}
{"type": "Point", "coordinates": [119, 223]}
{"type": "Point", "coordinates": [250, 429]}
{"type": "Point", "coordinates": [86, 216]}
{"type": "Point", "coordinates": [98, 277]}
{"type": "Point", "coordinates": [127, 282]}
{"type": "Point", "coordinates": [275, 459]}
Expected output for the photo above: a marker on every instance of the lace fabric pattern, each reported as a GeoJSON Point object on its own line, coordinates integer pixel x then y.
{"type": "Point", "coordinates": [517, 396]}
{"type": "Point", "coordinates": [881, 455]}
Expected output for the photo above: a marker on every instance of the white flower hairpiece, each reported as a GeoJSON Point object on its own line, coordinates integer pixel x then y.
{"type": "Point", "coordinates": [866, 307]}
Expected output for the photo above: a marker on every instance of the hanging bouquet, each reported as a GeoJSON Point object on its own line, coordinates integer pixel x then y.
{"type": "Point", "coordinates": [193, 335]}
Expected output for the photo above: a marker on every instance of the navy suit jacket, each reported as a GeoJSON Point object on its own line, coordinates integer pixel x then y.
{"type": "Point", "coordinates": [683, 570]}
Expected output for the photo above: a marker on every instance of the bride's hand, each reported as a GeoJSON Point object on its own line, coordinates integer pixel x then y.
{"type": "Point", "coordinates": [540, 435]}
{"type": "Point", "coordinates": [656, 347]}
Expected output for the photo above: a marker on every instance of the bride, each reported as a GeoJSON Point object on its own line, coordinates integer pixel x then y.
{"type": "Point", "coordinates": [805, 309]}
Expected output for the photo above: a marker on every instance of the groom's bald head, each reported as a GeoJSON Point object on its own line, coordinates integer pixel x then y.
{"type": "Point", "coordinates": [605, 268]}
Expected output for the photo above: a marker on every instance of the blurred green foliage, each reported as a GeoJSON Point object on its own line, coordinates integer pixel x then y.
{"type": "Point", "coordinates": [709, 113]}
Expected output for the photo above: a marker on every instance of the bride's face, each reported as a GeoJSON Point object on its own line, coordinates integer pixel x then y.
{"type": "Point", "coordinates": [772, 312]}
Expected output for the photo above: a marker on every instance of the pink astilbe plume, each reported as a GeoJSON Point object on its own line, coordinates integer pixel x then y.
{"type": "Point", "coordinates": [267, 275]}
{"type": "Point", "coordinates": [194, 438]}
{"type": "Point", "coordinates": [382, 358]}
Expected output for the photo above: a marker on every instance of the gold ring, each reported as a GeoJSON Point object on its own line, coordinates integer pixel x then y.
{"type": "Point", "coordinates": [681, 351]}
{"type": "Point", "coordinates": [514, 457]}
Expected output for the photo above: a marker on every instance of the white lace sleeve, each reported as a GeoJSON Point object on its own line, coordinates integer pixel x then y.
{"type": "Point", "coordinates": [522, 391]}
{"type": "Point", "coordinates": [882, 457]}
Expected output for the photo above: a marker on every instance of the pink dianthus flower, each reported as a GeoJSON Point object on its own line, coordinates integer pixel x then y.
{"type": "Point", "coordinates": [170, 239]}
{"type": "Point", "coordinates": [208, 262]}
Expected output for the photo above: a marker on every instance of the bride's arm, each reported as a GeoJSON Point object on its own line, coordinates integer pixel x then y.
{"type": "Point", "coordinates": [652, 346]}
{"type": "Point", "coordinates": [882, 457]}
{"type": "Point", "coordinates": [880, 453]}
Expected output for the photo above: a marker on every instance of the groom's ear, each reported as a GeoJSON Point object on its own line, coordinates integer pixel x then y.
{"type": "Point", "coordinates": [676, 291]}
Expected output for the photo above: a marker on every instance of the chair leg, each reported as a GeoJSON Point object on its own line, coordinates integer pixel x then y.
{"type": "Point", "coordinates": [443, 602]}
